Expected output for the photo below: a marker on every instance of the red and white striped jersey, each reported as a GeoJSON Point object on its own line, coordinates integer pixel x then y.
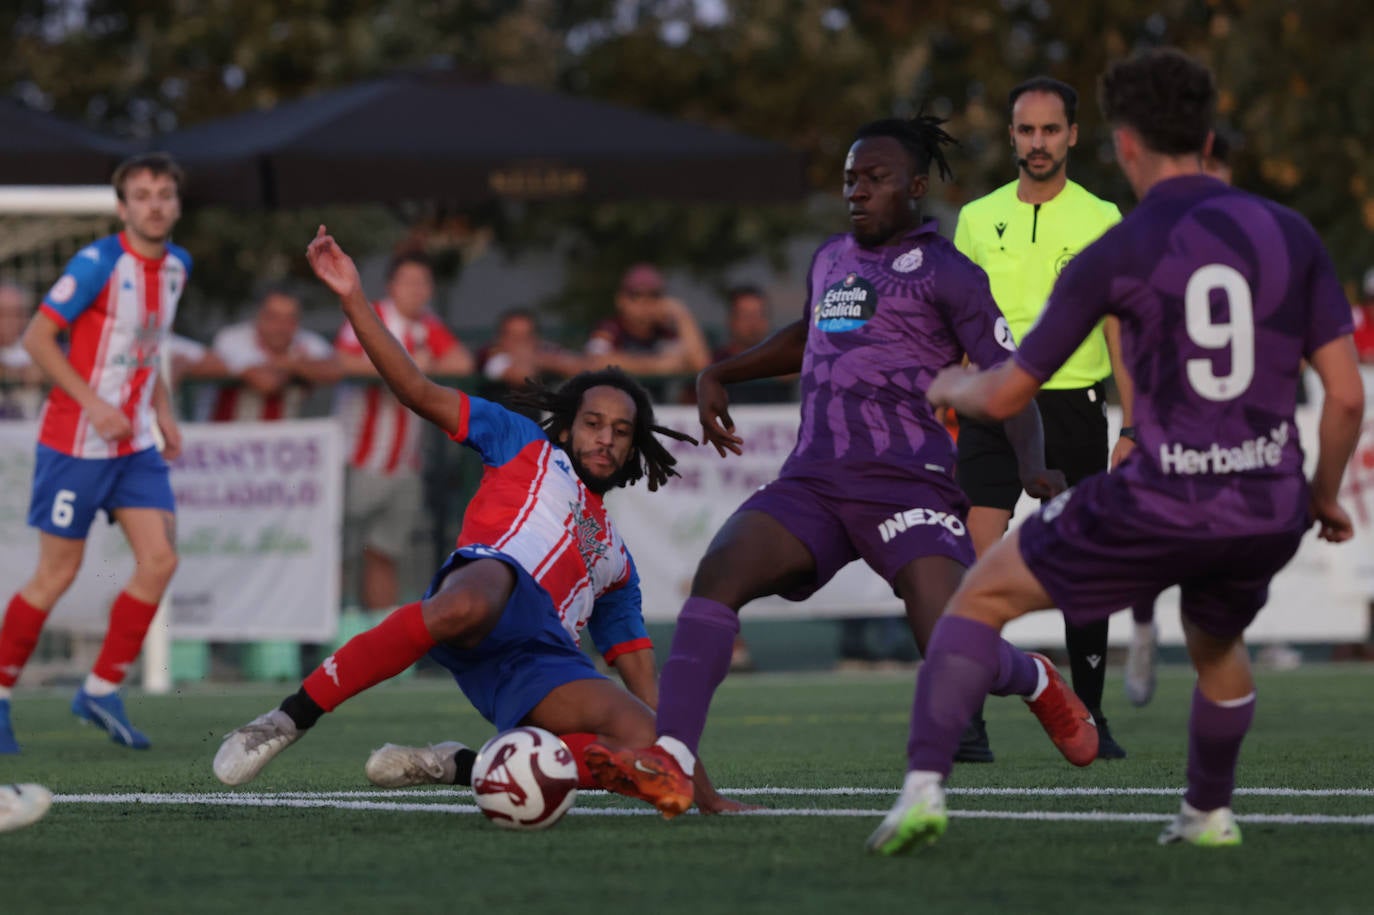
{"type": "Point", "coordinates": [381, 435]}
{"type": "Point", "coordinates": [532, 507]}
{"type": "Point", "coordinates": [117, 307]}
{"type": "Point", "coordinates": [240, 349]}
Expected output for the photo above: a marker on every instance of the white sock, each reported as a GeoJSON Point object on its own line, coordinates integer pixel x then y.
{"type": "Point", "coordinates": [5, 692]}
{"type": "Point", "coordinates": [917, 780]}
{"type": "Point", "coordinates": [1041, 682]}
{"type": "Point", "coordinates": [678, 750]}
{"type": "Point", "coordinates": [98, 686]}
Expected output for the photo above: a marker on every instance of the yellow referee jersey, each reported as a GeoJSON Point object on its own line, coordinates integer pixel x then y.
{"type": "Point", "coordinates": [1023, 247]}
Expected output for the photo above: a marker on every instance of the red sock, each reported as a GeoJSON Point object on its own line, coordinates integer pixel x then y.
{"type": "Point", "coordinates": [129, 622]}
{"type": "Point", "coordinates": [18, 638]}
{"type": "Point", "coordinates": [370, 657]}
{"type": "Point", "coordinates": [578, 744]}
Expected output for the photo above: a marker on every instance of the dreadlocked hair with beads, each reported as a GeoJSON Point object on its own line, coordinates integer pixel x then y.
{"type": "Point", "coordinates": [647, 458]}
{"type": "Point", "coordinates": [922, 137]}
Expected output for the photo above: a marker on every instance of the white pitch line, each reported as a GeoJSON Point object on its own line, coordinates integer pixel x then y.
{"type": "Point", "coordinates": [245, 800]}
{"type": "Point", "coordinates": [853, 792]}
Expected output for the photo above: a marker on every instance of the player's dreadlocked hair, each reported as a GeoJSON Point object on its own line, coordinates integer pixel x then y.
{"type": "Point", "coordinates": [1167, 96]}
{"type": "Point", "coordinates": [921, 136]}
{"type": "Point", "coordinates": [647, 458]}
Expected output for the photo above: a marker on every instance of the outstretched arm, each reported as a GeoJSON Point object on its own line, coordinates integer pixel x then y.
{"type": "Point", "coordinates": [992, 396]}
{"type": "Point", "coordinates": [436, 403]}
{"type": "Point", "coordinates": [780, 354]}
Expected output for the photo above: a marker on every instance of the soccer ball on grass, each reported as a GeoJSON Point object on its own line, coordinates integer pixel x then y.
{"type": "Point", "coordinates": [524, 778]}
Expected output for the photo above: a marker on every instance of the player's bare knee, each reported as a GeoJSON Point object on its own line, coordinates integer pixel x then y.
{"type": "Point", "coordinates": [158, 565]}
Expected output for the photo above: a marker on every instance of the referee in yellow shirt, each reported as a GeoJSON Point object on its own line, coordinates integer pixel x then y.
{"type": "Point", "coordinates": [1023, 234]}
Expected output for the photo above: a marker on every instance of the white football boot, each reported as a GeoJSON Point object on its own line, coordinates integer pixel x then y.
{"type": "Point", "coordinates": [918, 818]}
{"type": "Point", "coordinates": [394, 766]}
{"type": "Point", "coordinates": [21, 805]}
{"type": "Point", "coordinates": [246, 750]}
{"type": "Point", "coordinates": [1210, 829]}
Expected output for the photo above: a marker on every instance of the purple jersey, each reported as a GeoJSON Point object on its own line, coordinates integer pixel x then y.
{"type": "Point", "coordinates": [883, 322]}
{"type": "Point", "coordinates": [1221, 294]}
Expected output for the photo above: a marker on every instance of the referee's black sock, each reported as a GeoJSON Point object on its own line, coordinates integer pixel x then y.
{"type": "Point", "coordinates": [1088, 661]}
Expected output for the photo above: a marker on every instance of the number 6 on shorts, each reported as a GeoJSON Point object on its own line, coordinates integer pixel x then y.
{"type": "Point", "coordinates": [62, 510]}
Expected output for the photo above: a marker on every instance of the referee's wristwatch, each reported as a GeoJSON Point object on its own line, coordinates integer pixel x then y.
{"type": "Point", "coordinates": [1127, 432]}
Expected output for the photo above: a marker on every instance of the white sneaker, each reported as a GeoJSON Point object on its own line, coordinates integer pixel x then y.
{"type": "Point", "coordinates": [1212, 829]}
{"type": "Point", "coordinates": [245, 751]}
{"type": "Point", "coordinates": [1141, 658]}
{"type": "Point", "coordinates": [21, 805]}
{"type": "Point", "coordinates": [393, 766]}
{"type": "Point", "coordinates": [918, 818]}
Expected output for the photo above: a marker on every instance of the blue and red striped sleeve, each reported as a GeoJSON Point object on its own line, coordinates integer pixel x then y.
{"type": "Point", "coordinates": [81, 282]}
{"type": "Point", "coordinates": [494, 432]}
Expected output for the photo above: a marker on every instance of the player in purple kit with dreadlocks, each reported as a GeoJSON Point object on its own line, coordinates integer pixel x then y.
{"type": "Point", "coordinates": [872, 474]}
{"type": "Point", "coordinates": [1221, 295]}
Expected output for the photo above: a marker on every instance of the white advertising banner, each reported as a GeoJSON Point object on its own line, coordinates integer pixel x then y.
{"type": "Point", "coordinates": [259, 519]}
{"type": "Point", "coordinates": [1323, 595]}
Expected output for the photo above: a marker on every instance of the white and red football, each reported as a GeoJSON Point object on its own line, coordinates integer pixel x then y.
{"type": "Point", "coordinates": [524, 778]}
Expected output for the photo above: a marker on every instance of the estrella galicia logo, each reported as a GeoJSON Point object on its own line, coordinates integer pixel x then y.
{"type": "Point", "coordinates": [847, 305]}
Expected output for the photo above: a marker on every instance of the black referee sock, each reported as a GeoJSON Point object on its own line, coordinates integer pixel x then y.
{"type": "Point", "coordinates": [301, 709]}
{"type": "Point", "coordinates": [1088, 661]}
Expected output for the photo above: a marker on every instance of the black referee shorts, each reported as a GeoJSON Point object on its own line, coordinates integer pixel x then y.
{"type": "Point", "coordinates": [1075, 423]}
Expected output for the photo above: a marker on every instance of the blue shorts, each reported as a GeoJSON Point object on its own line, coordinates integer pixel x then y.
{"type": "Point", "coordinates": [68, 491]}
{"type": "Point", "coordinates": [527, 656]}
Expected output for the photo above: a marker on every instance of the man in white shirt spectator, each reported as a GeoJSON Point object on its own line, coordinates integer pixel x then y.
{"type": "Point", "coordinates": [384, 494]}
{"type": "Point", "coordinates": [275, 360]}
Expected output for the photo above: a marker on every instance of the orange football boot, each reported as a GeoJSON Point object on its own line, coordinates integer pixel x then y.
{"type": "Point", "coordinates": [649, 774]}
{"type": "Point", "coordinates": [1064, 717]}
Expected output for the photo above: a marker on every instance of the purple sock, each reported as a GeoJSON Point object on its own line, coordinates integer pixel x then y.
{"type": "Point", "coordinates": [1215, 733]}
{"type": "Point", "coordinates": [962, 663]}
{"type": "Point", "coordinates": [1143, 612]}
{"type": "Point", "coordinates": [700, 659]}
{"type": "Point", "coordinates": [1017, 673]}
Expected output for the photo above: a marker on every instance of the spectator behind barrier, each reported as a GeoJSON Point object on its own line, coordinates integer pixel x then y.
{"type": "Point", "coordinates": [651, 333]}
{"type": "Point", "coordinates": [518, 354]}
{"type": "Point", "coordinates": [275, 360]}
{"type": "Point", "coordinates": [384, 493]}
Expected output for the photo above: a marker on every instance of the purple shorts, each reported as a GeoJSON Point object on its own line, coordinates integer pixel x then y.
{"type": "Point", "coordinates": [886, 521]}
{"type": "Point", "coordinates": [1094, 554]}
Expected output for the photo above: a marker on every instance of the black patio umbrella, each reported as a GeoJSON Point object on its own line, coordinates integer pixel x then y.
{"type": "Point", "coordinates": [442, 137]}
{"type": "Point", "coordinates": [40, 148]}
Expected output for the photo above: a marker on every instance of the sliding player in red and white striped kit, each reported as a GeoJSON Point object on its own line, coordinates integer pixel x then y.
{"type": "Point", "coordinates": [537, 561]}
{"type": "Point", "coordinates": [96, 449]}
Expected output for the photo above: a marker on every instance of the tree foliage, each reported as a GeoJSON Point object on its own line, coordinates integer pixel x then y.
{"type": "Point", "coordinates": [1295, 86]}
